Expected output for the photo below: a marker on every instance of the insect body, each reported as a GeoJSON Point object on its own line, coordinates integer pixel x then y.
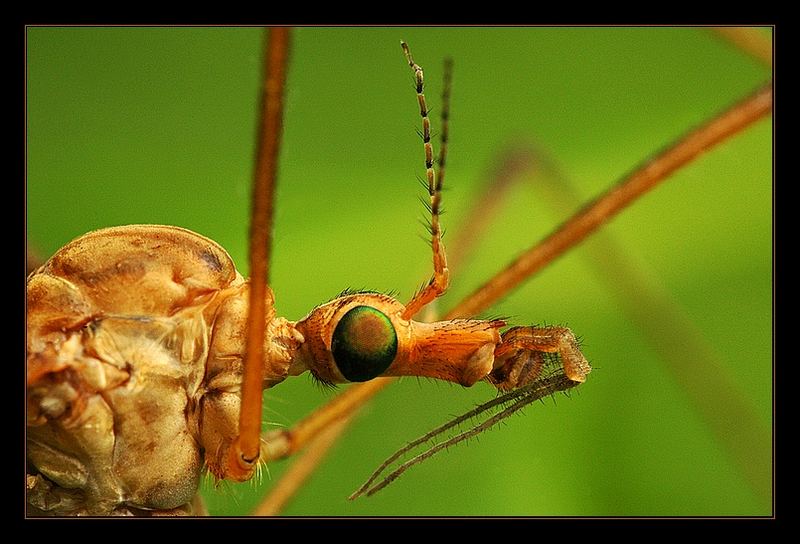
{"type": "Point", "coordinates": [135, 351]}
{"type": "Point", "coordinates": [518, 464]}
{"type": "Point", "coordinates": [133, 336]}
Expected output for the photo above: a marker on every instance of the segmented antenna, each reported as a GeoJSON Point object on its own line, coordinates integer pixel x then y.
{"type": "Point", "coordinates": [430, 174]}
{"type": "Point", "coordinates": [441, 277]}
{"type": "Point", "coordinates": [445, 137]}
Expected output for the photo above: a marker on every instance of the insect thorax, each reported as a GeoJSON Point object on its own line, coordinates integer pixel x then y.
{"type": "Point", "coordinates": [134, 369]}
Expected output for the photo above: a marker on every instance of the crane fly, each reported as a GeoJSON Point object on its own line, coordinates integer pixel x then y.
{"type": "Point", "coordinates": [367, 197]}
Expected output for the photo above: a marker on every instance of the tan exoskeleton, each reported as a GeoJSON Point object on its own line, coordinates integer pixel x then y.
{"type": "Point", "coordinates": [136, 360]}
{"type": "Point", "coordinates": [141, 354]}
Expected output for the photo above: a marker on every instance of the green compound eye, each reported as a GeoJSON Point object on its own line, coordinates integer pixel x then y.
{"type": "Point", "coordinates": [364, 344]}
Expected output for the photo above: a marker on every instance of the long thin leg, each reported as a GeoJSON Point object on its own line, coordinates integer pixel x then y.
{"type": "Point", "coordinates": [596, 213]}
{"type": "Point", "coordinates": [282, 443]}
{"type": "Point", "coordinates": [245, 451]}
{"type": "Point", "coordinates": [303, 467]}
{"type": "Point", "coordinates": [318, 431]}
{"type": "Point", "coordinates": [751, 40]}
{"type": "Point", "coordinates": [694, 362]}
{"type": "Point", "coordinates": [441, 275]}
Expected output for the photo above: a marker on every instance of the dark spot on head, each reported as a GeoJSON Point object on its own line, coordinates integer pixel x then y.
{"type": "Point", "coordinates": [211, 259]}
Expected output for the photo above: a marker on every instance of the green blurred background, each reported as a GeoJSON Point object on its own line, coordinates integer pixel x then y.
{"type": "Point", "coordinates": [156, 125]}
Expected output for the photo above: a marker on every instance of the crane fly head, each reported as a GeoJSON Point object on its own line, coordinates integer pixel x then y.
{"type": "Point", "coordinates": [353, 338]}
{"type": "Point", "coordinates": [358, 337]}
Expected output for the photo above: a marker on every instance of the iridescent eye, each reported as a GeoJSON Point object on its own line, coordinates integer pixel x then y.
{"type": "Point", "coordinates": [364, 344]}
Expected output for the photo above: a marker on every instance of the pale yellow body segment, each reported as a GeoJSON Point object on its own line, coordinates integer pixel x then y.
{"type": "Point", "coordinates": [131, 387]}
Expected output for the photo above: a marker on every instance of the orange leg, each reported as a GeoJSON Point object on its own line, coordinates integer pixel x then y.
{"type": "Point", "coordinates": [597, 213]}
{"type": "Point", "coordinates": [750, 40]}
{"type": "Point", "coordinates": [282, 443]}
{"type": "Point", "coordinates": [303, 467]}
{"type": "Point", "coordinates": [244, 454]}
{"type": "Point", "coordinates": [682, 348]}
